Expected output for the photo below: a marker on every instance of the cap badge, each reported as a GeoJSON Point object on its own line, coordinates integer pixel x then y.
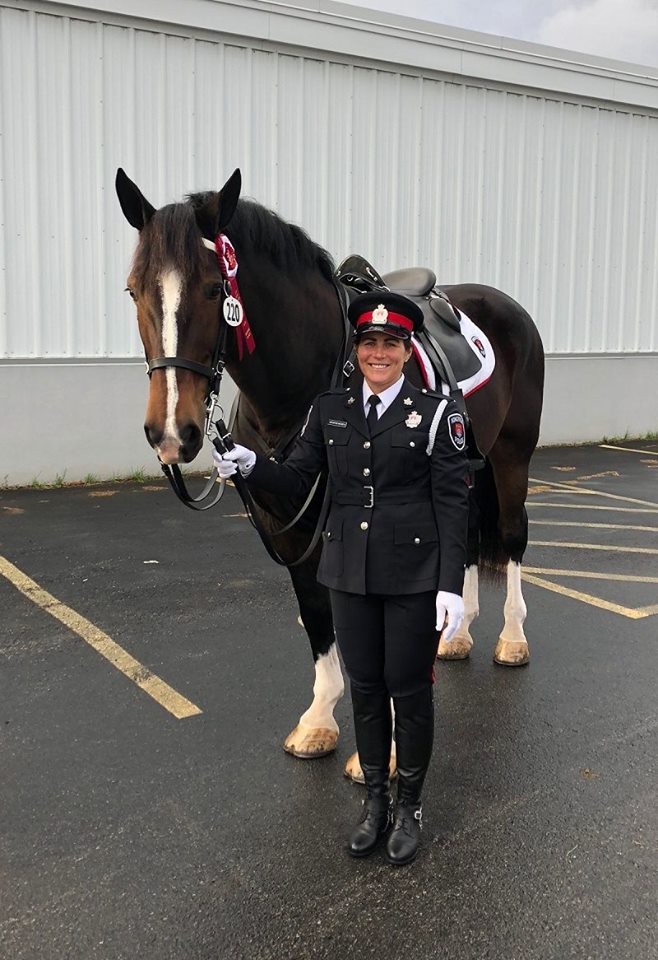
{"type": "Point", "coordinates": [380, 315]}
{"type": "Point", "coordinates": [413, 419]}
{"type": "Point", "coordinates": [407, 401]}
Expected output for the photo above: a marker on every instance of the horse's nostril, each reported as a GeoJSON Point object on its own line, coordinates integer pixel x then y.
{"type": "Point", "coordinates": [153, 435]}
{"type": "Point", "coordinates": [190, 434]}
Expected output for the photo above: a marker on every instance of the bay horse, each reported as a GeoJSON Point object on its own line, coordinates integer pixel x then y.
{"type": "Point", "coordinates": [292, 307]}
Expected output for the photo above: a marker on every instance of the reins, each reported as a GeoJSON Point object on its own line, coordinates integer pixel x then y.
{"type": "Point", "coordinates": [217, 431]}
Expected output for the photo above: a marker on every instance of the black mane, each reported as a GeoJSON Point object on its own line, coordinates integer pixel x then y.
{"type": "Point", "coordinates": [254, 226]}
{"type": "Point", "coordinates": [171, 239]}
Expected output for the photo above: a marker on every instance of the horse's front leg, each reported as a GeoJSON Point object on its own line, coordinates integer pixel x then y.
{"type": "Point", "coordinates": [316, 733]}
{"type": "Point", "coordinates": [460, 646]}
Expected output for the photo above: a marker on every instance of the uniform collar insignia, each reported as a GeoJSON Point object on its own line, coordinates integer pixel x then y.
{"type": "Point", "coordinates": [407, 401]}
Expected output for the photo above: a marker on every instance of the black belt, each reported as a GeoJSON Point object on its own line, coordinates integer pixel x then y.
{"type": "Point", "coordinates": [367, 498]}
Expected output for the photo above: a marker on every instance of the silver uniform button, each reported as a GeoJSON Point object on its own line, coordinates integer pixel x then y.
{"type": "Point", "coordinates": [331, 442]}
{"type": "Point", "coordinates": [364, 525]}
{"type": "Point", "coordinates": [411, 443]}
{"type": "Point", "coordinates": [416, 540]}
{"type": "Point", "coordinates": [366, 472]}
{"type": "Point", "coordinates": [366, 445]}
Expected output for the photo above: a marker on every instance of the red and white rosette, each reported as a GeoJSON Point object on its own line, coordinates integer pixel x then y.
{"type": "Point", "coordinates": [233, 308]}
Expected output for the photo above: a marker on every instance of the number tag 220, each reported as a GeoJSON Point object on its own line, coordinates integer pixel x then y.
{"type": "Point", "coordinates": [233, 312]}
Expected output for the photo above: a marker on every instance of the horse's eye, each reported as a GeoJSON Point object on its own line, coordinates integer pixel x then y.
{"type": "Point", "coordinates": [131, 292]}
{"type": "Point", "coordinates": [214, 291]}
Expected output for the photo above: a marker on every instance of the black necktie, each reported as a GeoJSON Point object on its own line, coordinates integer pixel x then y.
{"type": "Point", "coordinates": [372, 417]}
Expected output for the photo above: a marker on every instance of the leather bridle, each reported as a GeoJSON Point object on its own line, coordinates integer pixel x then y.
{"type": "Point", "coordinates": [219, 435]}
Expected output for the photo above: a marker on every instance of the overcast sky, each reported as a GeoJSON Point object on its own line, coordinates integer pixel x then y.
{"type": "Point", "coordinates": [621, 29]}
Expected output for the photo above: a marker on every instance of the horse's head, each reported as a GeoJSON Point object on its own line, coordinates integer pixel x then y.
{"type": "Point", "coordinates": [176, 284]}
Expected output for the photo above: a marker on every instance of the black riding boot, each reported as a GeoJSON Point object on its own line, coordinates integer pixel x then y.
{"type": "Point", "coordinates": [373, 728]}
{"type": "Point", "coordinates": [414, 737]}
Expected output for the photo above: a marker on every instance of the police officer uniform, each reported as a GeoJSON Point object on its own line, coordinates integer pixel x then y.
{"type": "Point", "coordinates": [395, 535]}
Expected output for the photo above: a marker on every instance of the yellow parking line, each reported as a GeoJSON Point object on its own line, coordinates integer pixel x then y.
{"type": "Point", "coordinates": [594, 493]}
{"type": "Point", "coordinates": [608, 446]}
{"type": "Point", "coordinates": [638, 614]}
{"type": "Point", "coordinates": [156, 688]}
{"type": "Point", "coordinates": [591, 575]}
{"type": "Point", "coordinates": [588, 506]}
{"type": "Point", "coordinates": [592, 546]}
{"type": "Point", "coordinates": [595, 526]}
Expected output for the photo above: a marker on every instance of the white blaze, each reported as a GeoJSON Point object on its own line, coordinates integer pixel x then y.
{"type": "Point", "coordinates": [171, 286]}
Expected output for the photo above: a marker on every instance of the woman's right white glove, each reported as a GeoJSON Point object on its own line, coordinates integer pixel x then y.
{"type": "Point", "coordinates": [239, 458]}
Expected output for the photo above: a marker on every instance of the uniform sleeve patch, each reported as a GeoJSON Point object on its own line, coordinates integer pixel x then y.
{"type": "Point", "coordinates": [457, 430]}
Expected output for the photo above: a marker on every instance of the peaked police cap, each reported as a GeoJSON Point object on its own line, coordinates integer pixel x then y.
{"type": "Point", "coordinates": [385, 312]}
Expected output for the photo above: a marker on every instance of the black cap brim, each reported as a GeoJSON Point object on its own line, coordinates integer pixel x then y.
{"type": "Point", "coordinates": [388, 329]}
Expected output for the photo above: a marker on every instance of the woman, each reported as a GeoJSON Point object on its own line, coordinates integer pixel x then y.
{"type": "Point", "coordinates": [393, 554]}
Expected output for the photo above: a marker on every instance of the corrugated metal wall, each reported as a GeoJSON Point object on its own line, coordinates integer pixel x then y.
{"type": "Point", "coordinates": [553, 201]}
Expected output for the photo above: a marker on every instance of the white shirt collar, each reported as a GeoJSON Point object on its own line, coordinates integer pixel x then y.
{"type": "Point", "coordinates": [386, 397]}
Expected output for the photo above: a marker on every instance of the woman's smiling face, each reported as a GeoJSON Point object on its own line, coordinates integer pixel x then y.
{"type": "Point", "coordinates": [381, 359]}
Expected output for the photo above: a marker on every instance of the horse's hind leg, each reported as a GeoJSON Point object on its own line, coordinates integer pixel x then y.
{"type": "Point", "coordinates": [316, 733]}
{"type": "Point", "coordinates": [511, 476]}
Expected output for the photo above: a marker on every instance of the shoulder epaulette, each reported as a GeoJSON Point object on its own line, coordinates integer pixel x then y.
{"type": "Point", "coordinates": [434, 394]}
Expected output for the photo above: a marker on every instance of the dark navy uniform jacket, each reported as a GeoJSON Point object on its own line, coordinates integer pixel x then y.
{"type": "Point", "coordinates": [398, 517]}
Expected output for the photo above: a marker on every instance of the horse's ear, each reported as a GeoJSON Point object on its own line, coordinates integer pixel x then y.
{"type": "Point", "coordinates": [216, 209]}
{"type": "Point", "coordinates": [136, 208]}
{"type": "Point", "coordinates": [228, 198]}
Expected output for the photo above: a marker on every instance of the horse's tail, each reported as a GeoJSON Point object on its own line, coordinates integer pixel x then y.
{"type": "Point", "coordinates": [485, 543]}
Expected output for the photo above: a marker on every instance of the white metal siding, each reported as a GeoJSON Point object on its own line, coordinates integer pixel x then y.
{"type": "Point", "coordinates": [553, 200]}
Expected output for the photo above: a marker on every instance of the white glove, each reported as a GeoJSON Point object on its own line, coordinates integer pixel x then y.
{"type": "Point", "coordinates": [239, 458]}
{"type": "Point", "coordinates": [449, 611]}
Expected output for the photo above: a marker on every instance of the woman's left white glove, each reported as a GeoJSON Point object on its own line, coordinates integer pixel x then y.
{"type": "Point", "coordinates": [449, 611]}
{"type": "Point", "coordinates": [239, 458]}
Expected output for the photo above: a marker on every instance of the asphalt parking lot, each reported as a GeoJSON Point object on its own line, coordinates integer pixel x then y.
{"type": "Point", "coordinates": [129, 831]}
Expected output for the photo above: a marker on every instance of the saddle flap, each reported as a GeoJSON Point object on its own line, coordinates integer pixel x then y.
{"type": "Point", "coordinates": [445, 312]}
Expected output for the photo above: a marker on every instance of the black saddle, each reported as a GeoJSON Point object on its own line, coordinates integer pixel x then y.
{"type": "Point", "coordinates": [448, 350]}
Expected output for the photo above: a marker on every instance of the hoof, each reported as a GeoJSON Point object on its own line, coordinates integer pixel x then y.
{"type": "Point", "coordinates": [354, 772]}
{"type": "Point", "coordinates": [511, 653]}
{"type": "Point", "coordinates": [307, 743]}
{"type": "Point", "coordinates": [457, 649]}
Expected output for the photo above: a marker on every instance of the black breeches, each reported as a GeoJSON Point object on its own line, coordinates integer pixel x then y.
{"type": "Point", "coordinates": [388, 643]}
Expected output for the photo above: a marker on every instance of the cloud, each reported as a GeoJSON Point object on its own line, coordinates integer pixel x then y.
{"type": "Point", "coordinates": [621, 29]}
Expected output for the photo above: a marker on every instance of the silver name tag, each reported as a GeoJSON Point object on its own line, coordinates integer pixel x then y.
{"type": "Point", "coordinates": [337, 423]}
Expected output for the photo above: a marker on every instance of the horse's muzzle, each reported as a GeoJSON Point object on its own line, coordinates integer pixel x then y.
{"type": "Point", "coordinates": [181, 448]}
